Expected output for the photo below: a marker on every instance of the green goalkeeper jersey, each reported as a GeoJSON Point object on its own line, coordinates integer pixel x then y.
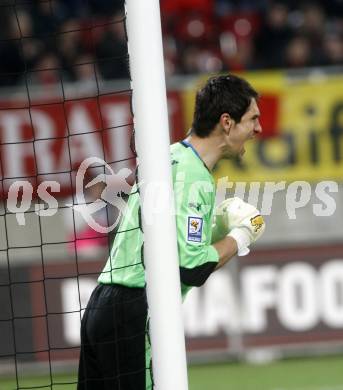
{"type": "Point", "coordinates": [194, 191]}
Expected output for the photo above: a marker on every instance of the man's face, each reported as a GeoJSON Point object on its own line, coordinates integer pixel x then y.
{"type": "Point", "coordinates": [246, 129]}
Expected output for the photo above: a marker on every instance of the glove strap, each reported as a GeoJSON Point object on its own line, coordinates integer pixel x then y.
{"type": "Point", "coordinates": [242, 239]}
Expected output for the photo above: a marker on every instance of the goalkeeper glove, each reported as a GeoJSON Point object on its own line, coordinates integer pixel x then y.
{"type": "Point", "coordinates": [239, 220]}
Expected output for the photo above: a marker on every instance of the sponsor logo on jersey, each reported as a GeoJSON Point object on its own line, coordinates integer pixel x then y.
{"type": "Point", "coordinates": [196, 206]}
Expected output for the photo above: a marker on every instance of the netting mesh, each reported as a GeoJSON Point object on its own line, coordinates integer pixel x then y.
{"type": "Point", "coordinates": [59, 105]}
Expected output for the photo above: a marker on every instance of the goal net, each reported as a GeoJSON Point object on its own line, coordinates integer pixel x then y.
{"type": "Point", "coordinates": [67, 167]}
{"type": "Point", "coordinates": [67, 162]}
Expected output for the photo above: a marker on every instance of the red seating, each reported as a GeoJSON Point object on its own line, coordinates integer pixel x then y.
{"type": "Point", "coordinates": [243, 25]}
{"type": "Point", "coordinates": [169, 7]}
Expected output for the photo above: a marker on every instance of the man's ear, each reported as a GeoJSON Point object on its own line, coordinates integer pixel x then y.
{"type": "Point", "coordinates": [226, 123]}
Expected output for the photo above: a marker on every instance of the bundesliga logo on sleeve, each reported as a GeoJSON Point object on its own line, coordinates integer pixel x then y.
{"type": "Point", "coordinates": [194, 230]}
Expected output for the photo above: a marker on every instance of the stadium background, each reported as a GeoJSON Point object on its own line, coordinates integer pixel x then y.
{"type": "Point", "coordinates": [64, 84]}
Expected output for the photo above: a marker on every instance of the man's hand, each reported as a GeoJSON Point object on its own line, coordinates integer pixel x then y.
{"type": "Point", "coordinates": [239, 220]}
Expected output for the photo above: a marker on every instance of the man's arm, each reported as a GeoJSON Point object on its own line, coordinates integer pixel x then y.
{"type": "Point", "coordinates": [227, 249]}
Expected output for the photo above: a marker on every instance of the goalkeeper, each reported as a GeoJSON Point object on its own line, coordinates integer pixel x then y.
{"type": "Point", "coordinates": [115, 352]}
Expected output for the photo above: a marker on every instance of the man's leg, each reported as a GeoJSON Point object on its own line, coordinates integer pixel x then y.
{"type": "Point", "coordinates": [89, 375]}
{"type": "Point", "coordinates": [115, 329]}
{"type": "Point", "coordinates": [132, 347]}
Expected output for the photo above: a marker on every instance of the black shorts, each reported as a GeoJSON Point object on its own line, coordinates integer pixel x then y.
{"type": "Point", "coordinates": [113, 334]}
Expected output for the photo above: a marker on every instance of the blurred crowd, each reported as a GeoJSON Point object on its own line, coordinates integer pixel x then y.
{"type": "Point", "coordinates": [251, 34]}
{"type": "Point", "coordinates": [45, 41]}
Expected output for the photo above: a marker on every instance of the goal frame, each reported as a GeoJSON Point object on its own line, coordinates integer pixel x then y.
{"type": "Point", "coordinates": [152, 140]}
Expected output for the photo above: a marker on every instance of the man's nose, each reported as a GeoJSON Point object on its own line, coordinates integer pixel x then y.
{"type": "Point", "coordinates": [258, 128]}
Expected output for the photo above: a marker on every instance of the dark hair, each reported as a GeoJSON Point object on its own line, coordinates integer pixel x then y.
{"type": "Point", "coordinates": [221, 94]}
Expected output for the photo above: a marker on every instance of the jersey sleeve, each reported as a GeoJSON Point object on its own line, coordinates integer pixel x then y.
{"type": "Point", "coordinates": [194, 209]}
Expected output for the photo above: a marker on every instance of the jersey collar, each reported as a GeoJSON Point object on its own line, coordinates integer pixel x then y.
{"type": "Point", "coordinates": [187, 144]}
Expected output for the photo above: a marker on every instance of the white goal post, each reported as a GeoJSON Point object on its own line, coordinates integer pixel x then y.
{"type": "Point", "coordinates": [152, 145]}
